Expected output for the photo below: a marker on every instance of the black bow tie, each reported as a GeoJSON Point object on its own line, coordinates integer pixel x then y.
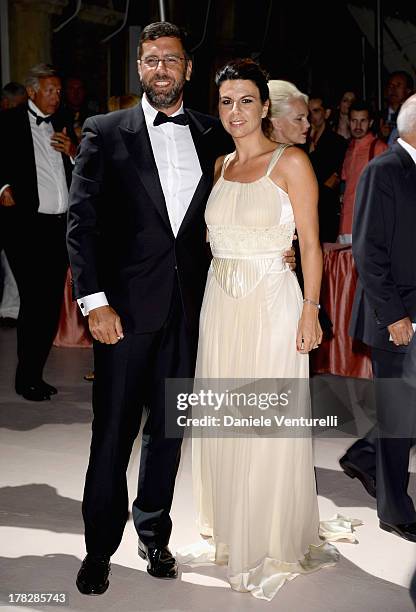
{"type": "Point", "coordinates": [160, 118]}
{"type": "Point", "coordinates": [39, 119]}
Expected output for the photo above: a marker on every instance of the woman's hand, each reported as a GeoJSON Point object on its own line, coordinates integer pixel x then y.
{"type": "Point", "coordinates": [309, 334]}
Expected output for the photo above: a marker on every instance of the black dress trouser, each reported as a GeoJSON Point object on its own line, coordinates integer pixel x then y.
{"type": "Point", "coordinates": [384, 451]}
{"type": "Point", "coordinates": [35, 247]}
{"type": "Point", "coordinates": [129, 375]}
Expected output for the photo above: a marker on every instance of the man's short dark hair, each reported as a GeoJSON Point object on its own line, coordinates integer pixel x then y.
{"type": "Point", "coordinates": [325, 101]}
{"type": "Point", "coordinates": [361, 105]}
{"type": "Point", "coordinates": [156, 30]}
{"type": "Point", "coordinates": [12, 89]}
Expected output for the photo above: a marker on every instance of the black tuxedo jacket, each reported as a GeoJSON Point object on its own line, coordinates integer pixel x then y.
{"type": "Point", "coordinates": [17, 167]}
{"type": "Point", "coordinates": [384, 243]}
{"type": "Point", "coordinates": [119, 236]}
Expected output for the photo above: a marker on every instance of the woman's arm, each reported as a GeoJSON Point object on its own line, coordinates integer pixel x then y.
{"type": "Point", "coordinates": [302, 188]}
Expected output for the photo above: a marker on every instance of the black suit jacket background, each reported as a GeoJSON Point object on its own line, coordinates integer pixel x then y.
{"type": "Point", "coordinates": [384, 247]}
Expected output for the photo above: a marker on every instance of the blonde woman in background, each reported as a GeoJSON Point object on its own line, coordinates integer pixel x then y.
{"type": "Point", "coordinates": [289, 113]}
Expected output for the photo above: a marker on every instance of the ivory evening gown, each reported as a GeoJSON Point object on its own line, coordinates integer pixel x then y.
{"type": "Point", "coordinates": [255, 496]}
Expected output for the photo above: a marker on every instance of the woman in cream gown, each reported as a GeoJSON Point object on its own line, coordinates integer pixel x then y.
{"type": "Point", "coordinates": [256, 496]}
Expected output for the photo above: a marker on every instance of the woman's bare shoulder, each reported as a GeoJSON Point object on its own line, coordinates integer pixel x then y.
{"type": "Point", "coordinates": [294, 153]}
{"type": "Point", "coordinates": [294, 158]}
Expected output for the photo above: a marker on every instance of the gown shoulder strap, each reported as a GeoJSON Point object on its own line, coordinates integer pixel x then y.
{"type": "Point", "coordinates": [276, 156]}
{"type": "Point", "coordinates": [225, 162]}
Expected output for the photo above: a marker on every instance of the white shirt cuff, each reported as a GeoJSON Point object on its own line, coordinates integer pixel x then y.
{"type": "Point", "coordinates": [89, 302]}
{"type": "Point", "coordinates": [3, 188]}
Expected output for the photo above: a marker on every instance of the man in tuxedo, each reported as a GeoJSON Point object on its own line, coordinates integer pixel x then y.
{"type": "Point", "coordinates": [34, 178]}
{"type": "Point", "coordinates": [137, 246]}
{"type": "Point", "coordinates": [383, 311]}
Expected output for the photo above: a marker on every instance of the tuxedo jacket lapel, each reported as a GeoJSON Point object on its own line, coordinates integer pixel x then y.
{"type": "Point", "coordinates": [137, 141]}
{"type": "Point", "coordinates": [27, 149]}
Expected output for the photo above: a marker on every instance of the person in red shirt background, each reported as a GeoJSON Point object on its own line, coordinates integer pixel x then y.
{"type": "Point", "coordinates": [362, 148]}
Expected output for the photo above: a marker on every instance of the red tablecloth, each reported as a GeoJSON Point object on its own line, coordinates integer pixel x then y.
{"type": "Point", "coordinates": [73, 329]}
{"type": "Point", "coordinates": [339, 354]}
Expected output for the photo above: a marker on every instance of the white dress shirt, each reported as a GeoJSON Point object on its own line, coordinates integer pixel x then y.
{"type": "Point", "coordinates": [176, 161]}
{"type": "Point", "coordinates": [50, 171]}
{"type": "Point", "coordinates": [179, 173]}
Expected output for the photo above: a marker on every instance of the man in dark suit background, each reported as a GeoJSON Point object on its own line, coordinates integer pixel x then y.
{"type": "Point", "coordinates": [326, 150]}
{"type": "Point", "coordinates": [399, 87]}
{"type": "Point", "coordinates": [35, 174]}
{"type": "Point", "coordinates": [383, 312]}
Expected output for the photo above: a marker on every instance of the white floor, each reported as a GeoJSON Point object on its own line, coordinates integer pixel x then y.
{"type": "Point", "coordinates": [44, 453]}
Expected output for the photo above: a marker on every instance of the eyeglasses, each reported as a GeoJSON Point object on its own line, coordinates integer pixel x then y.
{"type": "Point", "coordinates": [170, 61]}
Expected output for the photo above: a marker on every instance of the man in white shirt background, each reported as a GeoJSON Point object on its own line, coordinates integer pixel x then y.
{"type": "Point", "coordinates": [34, 178]}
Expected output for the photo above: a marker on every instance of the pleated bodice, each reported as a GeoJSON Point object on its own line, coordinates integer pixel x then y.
{"type": "Point", "coordinates": [250, 226]}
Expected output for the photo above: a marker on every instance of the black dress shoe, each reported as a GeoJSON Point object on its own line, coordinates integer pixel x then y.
{"type": "Point", "coordinates": [92, 578]}
{"type": "Point", "coordinates": [353, 471]}
{"type": "Point", "coordinates": [406, 531]}
{"type": "Point", "coordinates": [48, 388]}
{"type": "Point", "coordinates": [34, 393]}
{"type": "Point", "coordinates": [161, 563]}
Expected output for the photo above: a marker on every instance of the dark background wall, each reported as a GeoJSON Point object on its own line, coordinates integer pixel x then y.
{"type": "Point", "coordinates": [317, 45]}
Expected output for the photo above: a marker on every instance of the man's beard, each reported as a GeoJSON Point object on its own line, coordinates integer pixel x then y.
{"type": "Point", "coordinates": [164, 99]}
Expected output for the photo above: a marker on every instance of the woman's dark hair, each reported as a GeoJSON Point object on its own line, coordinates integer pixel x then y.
{"type": "Point", "coordinates": [247, 69]}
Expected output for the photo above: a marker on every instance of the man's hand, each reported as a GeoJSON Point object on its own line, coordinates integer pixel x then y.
{"type": "Point", "coordinates": [61, 142]}
{"type": "Point", "coordinates": [401, 331]}
{"type": "Point", "coordinates": [105, 325]}
{"type": "Point", "coordinates": [290, 257]}
{"type": "Point", "coordinates": [6, 198]}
